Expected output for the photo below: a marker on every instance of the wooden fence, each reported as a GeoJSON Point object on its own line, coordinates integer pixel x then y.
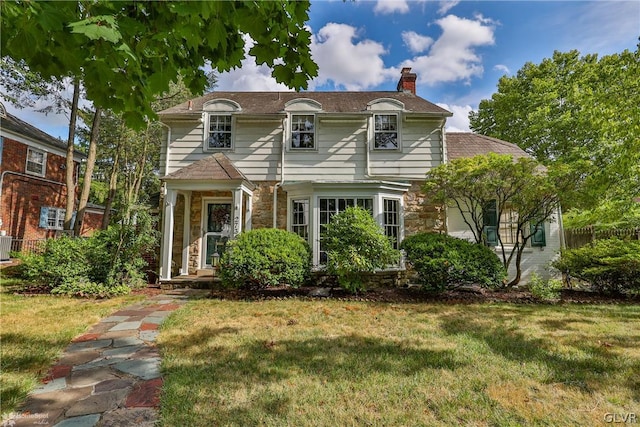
{"type": "Point", "coordinates": [576, 237]}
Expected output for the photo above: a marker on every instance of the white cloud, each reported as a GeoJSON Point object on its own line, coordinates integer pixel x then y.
{"type": "Point", "coordinates": [502, 68]}
{"type": "Point", "coordinates": [453, 56]}
{"type": "Point", "coordinates": [415, 42]}
{"type": "Point", "coordinates": [348, 64]}
{"type": "Point", "coordinates": [460, 120]}
{"type": "Point", "coordinates": [250, 77]}
{"type": "Point", "coordinates": [447, 5]}
{"type": "Point", "coordinates": [386, 7]}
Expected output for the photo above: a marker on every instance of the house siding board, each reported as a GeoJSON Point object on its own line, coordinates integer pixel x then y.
{"type": "Point", "coordinates": [533, 259]}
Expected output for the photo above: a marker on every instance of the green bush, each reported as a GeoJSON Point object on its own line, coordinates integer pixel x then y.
{"type": "Point", "coordinates": [443, 261]}
{"type": "Point", "coordinates": [610, 265]}
{"type": "Point", "coordinates": [106, 264]}
{"type": "Point", "coordinates": [62, 260]}
{"type": "Point", "coordinates": [356, 244]}
{"type": "Point", "coordinates": [265, 257]}
{"type": "Point", "coordinates": [544, 290]}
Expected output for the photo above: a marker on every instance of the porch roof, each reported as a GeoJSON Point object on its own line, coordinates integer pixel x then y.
{"type": "Point", "coordinates": [216, 167]}
{"type": "Point", "coordinates": [462, 144]}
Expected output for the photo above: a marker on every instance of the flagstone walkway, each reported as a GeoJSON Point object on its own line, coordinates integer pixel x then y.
{"type": "Point", "coordinates": [109, 376]}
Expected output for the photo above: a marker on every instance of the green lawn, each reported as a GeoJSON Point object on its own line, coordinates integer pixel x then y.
{"type": "Point", "coordinates": [328, 363]}
{"type": "Point", "coordinates": [34, 330]}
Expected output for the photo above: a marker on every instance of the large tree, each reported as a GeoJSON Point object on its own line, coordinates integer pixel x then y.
{"type": "Point", "coordinates": [490, 185]}
{"type": "Point", "coordinates": [125, 53]}
{"type": "Point", "coordinates": [577, 110]}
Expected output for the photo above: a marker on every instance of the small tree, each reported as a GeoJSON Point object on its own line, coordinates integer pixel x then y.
{"type": "Point", "coordinates": [520, 185]}
{"type": "Point", "coordinates": [356, 244]}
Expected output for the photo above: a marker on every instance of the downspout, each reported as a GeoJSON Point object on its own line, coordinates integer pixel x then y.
{"type": "Point", "coordinates": [23, 175]}
{"type": "Point", "coordinates": [166, 160]}
{"type": "Point", "coordinates": [279, 184]}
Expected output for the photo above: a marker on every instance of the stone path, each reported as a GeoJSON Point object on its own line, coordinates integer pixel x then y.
{"type": "Point", "coordinates": [109, 376]}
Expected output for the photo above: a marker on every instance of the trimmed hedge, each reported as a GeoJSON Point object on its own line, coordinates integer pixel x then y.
{"type": "Point", "coordinates": [265, 257]}
{"type": "Point", "coordinates": [609, 265]}
{"type": "Point", "coordinates": [443, 261]}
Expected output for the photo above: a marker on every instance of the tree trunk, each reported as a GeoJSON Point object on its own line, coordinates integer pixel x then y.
{"type": "Point", "coordinates": [88, 173]}
{"type": "Point", "coordinates": [516, 279]}
{"type": "Point", "coordinates": [113, 186]}
{"type": "Point", "coordinates": [70, 169]}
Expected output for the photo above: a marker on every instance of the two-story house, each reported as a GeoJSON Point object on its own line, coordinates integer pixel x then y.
{"type": "Point", "coordinates": [32, 184]}
{"type": "Point", "coordinates": [233, 161]}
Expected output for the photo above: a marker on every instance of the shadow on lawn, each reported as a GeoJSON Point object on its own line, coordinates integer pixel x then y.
{"type": "Point", "coordinates": [216, 371]}
{"type": "Point", "coordinates": [594, 365]}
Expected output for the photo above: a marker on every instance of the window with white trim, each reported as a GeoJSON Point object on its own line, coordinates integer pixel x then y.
{"type": "Point", "coordinates": [52, 218]}
{"type": "Point", "coordinates": [329, 206]}
{"type": "Point", "coordinates": [391, 221]}
{"type": "Point", "coordinates": [36, 162]}
{"type": "Point", "coordinates": [220, 132]}
{"type": "Point", "coordinates": [300, 220]}
{"type": "Point", "coordinates": [385, 132]}
{"type": "Point", "coordinates": [303, 131]}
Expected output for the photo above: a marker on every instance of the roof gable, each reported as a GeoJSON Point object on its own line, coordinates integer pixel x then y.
{"type": "Point", "coordinates": [216, 167]}
{"type": "Point", "coordinates": [466, 144]}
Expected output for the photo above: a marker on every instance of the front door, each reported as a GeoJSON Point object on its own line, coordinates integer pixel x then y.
{"type": "Point", "coordinates": [217, 230]}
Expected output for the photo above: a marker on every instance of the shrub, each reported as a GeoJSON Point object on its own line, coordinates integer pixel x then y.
{"type": "Point", "coordinates": [610, 265]}
{"type": "Point", "coordinates": [544, 290]}
{"type": "Point", "coordinates": [265, 257]}
{"type": "Point", "coordinates": [82, 287]}
{"type": "Point", "coordinates": [62, 260]}
{"type": "Point", "coordinates": [356, 244]}
{"type": "Point", "coordinates": [442, 261]}
{"type": "Point", "coordinates": [106, 264]}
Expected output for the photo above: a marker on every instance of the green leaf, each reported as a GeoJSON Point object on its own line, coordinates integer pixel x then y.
{"type": "Point", "coordinates": [98, 27]}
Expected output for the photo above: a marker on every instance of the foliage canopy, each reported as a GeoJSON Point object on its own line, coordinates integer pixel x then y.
{"type": "Point", "coordinates": [583, 112]}
{"type": "Point", "coordinates": [126, 52]}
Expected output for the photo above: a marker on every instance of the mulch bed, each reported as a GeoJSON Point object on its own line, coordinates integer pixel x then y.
{"type": "Point", "coordinates": [417, 295]}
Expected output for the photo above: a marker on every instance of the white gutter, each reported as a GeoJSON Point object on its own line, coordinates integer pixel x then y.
{"type": "Point", "coordinates": [279, 184]}
{"type": "Point", "coordinates": [166, 160]}
{"type": "Point", "coordinates": [23, 175]}
{"type": "Point", "coordinates": [444, 142]}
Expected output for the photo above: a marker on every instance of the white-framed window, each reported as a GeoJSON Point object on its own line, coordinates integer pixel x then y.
{"type": "Point", "coordinates": [36, 162]}
{"type": "Point", "coordinates": [329, 206]}
{"type": "Point", "coordinates": [300, 219]}
{"type": "Point", "coordinates": [52, 218]}
{"type": "Point", "coordinates": [391, 220]}
{"type": "Point", "coordinates": [303, 132]}
{"type": "Point", "coordinates": [219, 132]}
{"type": "Point", "coordinates": [385, 132]}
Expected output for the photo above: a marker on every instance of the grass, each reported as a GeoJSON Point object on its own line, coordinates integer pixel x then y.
{"type": "Point", "coordinates": [35, 330]}
{"type": "Point", "coordinates": [315, 363]}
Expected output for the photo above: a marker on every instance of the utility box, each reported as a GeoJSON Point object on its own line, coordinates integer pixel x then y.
{"type": "Point", "coordinates": [5, 247]}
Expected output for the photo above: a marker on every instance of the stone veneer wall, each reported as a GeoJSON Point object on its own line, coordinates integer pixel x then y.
{"type": "Point", "coordinates": [419, 216]}
{"type": "Point", "coordinates": [262, 215]}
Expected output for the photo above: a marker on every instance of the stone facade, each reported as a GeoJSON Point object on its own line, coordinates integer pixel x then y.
{"type": "Point", "coordinates": [419, 215]}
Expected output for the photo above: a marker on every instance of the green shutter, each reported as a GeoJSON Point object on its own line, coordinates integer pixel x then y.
{"type": "Point", "coordinates": [44, 217]}
{"type": "Point", "coordinates": [537, 235]}
{"type": "Point", "coordinates": [490, 222]}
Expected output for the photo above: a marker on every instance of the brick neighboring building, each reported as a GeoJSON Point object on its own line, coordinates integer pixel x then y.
{"type": "Point", "coordinates": [33, 193]}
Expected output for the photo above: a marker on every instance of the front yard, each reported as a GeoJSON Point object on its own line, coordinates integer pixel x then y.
{"type": "Point", "coordinates": [34, 331]}
{"type": "Point", "coordinates": [296, 362]}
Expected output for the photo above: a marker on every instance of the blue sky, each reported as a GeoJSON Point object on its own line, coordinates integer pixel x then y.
{"type": "Point", "coordinates": [459, 49]}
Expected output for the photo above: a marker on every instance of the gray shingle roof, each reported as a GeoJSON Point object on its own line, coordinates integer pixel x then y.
{"type": "Point", "coordinates": [216, 167]}
{"type": "Point", "coordinates": [461, 144]}
{"type": "Point", "coordinates": [332, 102]}
{"type": "Point", "coordinates": [20, 127]}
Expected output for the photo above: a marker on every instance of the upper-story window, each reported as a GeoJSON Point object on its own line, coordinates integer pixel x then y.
{"type": "Point", "coordinates": [303, 131]}
{"type": "Point", "coordinates": [219, 132]}
{"type": "Point", "coordinates": [385, 132]}
{"type": "Point", "coordinates": [36, 162]}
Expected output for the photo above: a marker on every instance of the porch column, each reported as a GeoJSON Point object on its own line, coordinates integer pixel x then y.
{"type": "Point", "coordinates": [247, 220]}
{"type": "Point", "coordinates": [167, 235]}
{"type": "Point", "coordinates": [186, 234]}
{"type": "Point", "coordinates": [237, 211]}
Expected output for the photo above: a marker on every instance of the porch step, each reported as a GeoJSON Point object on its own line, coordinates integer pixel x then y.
{"type": "Point", "coordinates": [189, 282]}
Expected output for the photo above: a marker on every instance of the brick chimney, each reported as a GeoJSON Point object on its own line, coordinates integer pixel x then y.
{"type": "Point", "coordinates": [407, 81]}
